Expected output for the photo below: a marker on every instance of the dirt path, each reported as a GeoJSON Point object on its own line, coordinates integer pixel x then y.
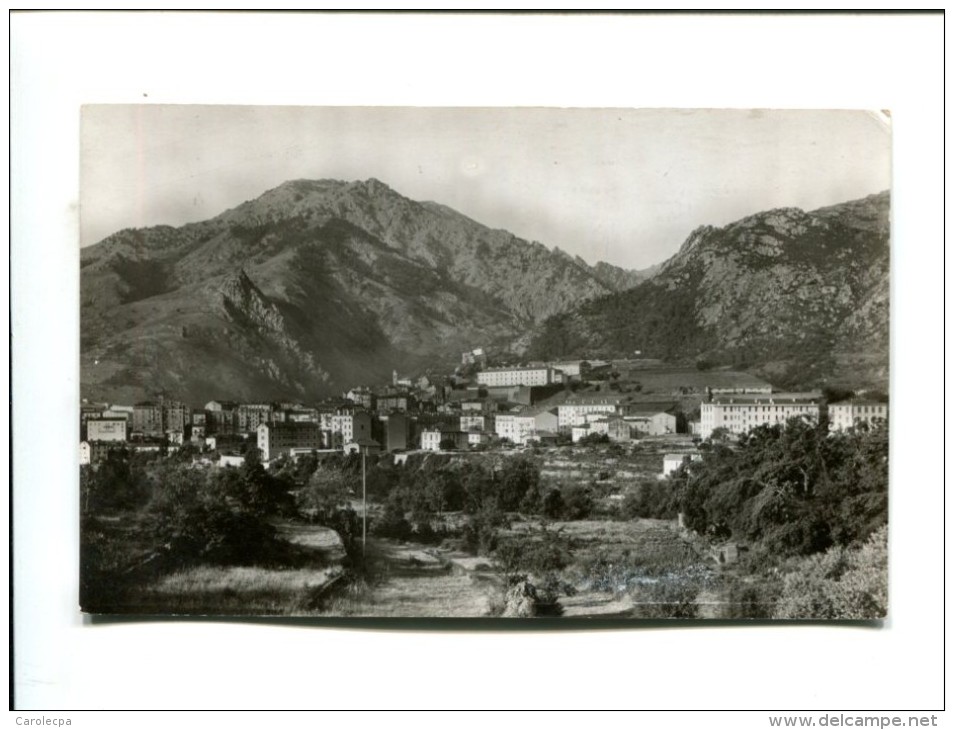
{"type": "Point", "coordinates": [412, 580]}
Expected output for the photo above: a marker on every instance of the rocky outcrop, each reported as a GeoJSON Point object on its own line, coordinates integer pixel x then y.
{"type": "Point", "coordinates": [799, 297]}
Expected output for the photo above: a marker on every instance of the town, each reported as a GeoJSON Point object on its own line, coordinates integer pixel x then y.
{"type": "Point", "coordinates": [476, 408]}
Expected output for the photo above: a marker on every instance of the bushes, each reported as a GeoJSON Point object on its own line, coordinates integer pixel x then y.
{"type": "Point", "coordinates": [673, 595]}
{"type": "Point", "coordinates": [839, 584]}
{"type": "Point", "coordinates": [540, 551]}
{"type": "Point", "coordinates": [649, 499]}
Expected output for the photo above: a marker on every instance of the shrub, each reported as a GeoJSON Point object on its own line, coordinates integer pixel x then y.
{"type": "Point", "coordinates": [842, 583]}
{"type": "Point", "coordinates": [540, 552]}
{"type": "Point", "coordinates": [577, 502]}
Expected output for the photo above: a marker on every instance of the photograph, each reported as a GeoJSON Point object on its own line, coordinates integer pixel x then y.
{"type": "Point", "coordinates": [484, 362]}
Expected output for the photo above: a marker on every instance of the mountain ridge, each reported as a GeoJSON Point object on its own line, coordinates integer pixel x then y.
{"type": "Point", "coordinates": [353, 277]}
{"type": "Point", "coordinates": [800, 298]}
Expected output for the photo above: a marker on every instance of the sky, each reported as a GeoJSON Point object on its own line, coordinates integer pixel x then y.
{"type": "Point", "coordinates": [625, 186]}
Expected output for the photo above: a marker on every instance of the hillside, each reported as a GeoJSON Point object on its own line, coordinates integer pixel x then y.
{"type": "Point", "coordinates": [309, 289]}
{"type": "Point", "coordinates": [798, 298]}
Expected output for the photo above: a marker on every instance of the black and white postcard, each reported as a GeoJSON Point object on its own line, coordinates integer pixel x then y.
{"type": "Point", "coordinates": [484, 362]}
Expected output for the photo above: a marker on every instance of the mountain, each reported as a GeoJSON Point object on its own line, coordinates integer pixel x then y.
{"type": "Point", "coordinates": [313, 287]}
{"type": "Point", "coordinates": [799, 298]}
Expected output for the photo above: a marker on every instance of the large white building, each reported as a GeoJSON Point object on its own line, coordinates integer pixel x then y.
{"type": "Point", "coordinates": [106, 429]}
{"type": "Point", "coordinates": [526, 425]}
{"type": "Point", "coordinates": [847, 414]}
{"type": "Point", "coordinates": [344, 426]}
{"type": "Point", "coordinates": [508, 376]}
{"type": "Point", "coordinates": [575, 410]}
{"type": "Point", "coordinates": [740, 413]}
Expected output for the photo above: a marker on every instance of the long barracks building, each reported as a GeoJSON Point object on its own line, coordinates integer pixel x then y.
{"type": "Point", "coordinates": [739, 413]}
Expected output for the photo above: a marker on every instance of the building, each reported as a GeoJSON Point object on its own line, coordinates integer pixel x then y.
{"type": "Point", "coordinates": [395, 402]}
{"type": "Point", "coordinates": [175, 416]}
{"type": "Point", "coordinates": [221, 417]}
{"type": "Point", "coordinates": [397, 431]}
{"type": "Point", "coordinates": [619, 428]}
{"type": "Point", "coordinates": [364, 446]}
{"type": "Point", "coordinates": [477, 438]}
{"type": "Point", "coordinates": [649, 423]}
{"type": "Point", "coordinates": [281, 438]}
{"type": "Point", "coordinates": [301, 415]}
{"type": "Point", "coordinates": [117, 411]}
{"type": "Point", "coordinates": [362, 397]}
{"type": "Point", "coordinates": [739, 413]}
{"type": "Point", "coordinates": [475, 422]}
{"type": "Point", "coordinates": [575, 409]}
{"type": "Point", "coordinates": [431, 439]}
{"type": "Point", "coordinates": [850, 413]}
{"type": "Point", "coordinates": [346, 426]}
{"type": "Point", "coordinates": [106, 429]}
{"type": "Point", "coordinates": [579, 432]}
{"type": "Point", "coordinates": [249, 416]}
{"type": "Point", "coordinates": [147, 419]}
{"type": "Point", "coordinates": [572, 369]}
{"type": "Point", "coordinates": [671, 462]}
{"type": "Point", "coordinates": [509, 376]}
{"type": "Point", "coordinates": [506, 426]}
{"type": "Point", "coordinates": [478, 406]}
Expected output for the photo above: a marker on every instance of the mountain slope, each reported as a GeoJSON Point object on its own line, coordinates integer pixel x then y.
{"type": "Point", "coordinates": [311, 288]}
{"type": "Point", "coordinates": [801, 298]}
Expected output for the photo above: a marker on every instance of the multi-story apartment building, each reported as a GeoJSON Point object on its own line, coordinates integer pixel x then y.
{"type": "Point", "coordinates": [850, 413]}
{"type": "Point", "coordinates": [285, 438]}
{"type": "Point", "coordinates": [250, 416]}
{"type": "Point", "coordinates": [345, 426]}
{"type": "Point", "coordinates": [740, 413]}
{"type": "Point", "coordinates": [221, 417]}
{"type": "Point", "coordinates": [509, 376]}
{"type": "Point", "coordinates": [431, 439]}
{"type": "Point", "coordinates": [147, 419]}
{"type": "Point", "coordinates": [175, 416]}
{"type": "Point", "coordinates": [507, 427]}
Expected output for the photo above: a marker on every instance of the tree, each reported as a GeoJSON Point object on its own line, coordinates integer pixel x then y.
{"type": "Point", "coordinates": [577, 502]}
{"type": "Point", "coordinates": [794, 489]}
{"type": "Point", "coordinates": [116, 484]}
{"type": "Point", "coordinates": [518, 475]}
{"type": "Point", "coordinates": [196, 521]}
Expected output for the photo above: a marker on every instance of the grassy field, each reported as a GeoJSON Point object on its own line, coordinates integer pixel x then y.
{"type": "Point", "coordinates": [614, 564]}
{"type": "Point", "coordinates": [234, 590]}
